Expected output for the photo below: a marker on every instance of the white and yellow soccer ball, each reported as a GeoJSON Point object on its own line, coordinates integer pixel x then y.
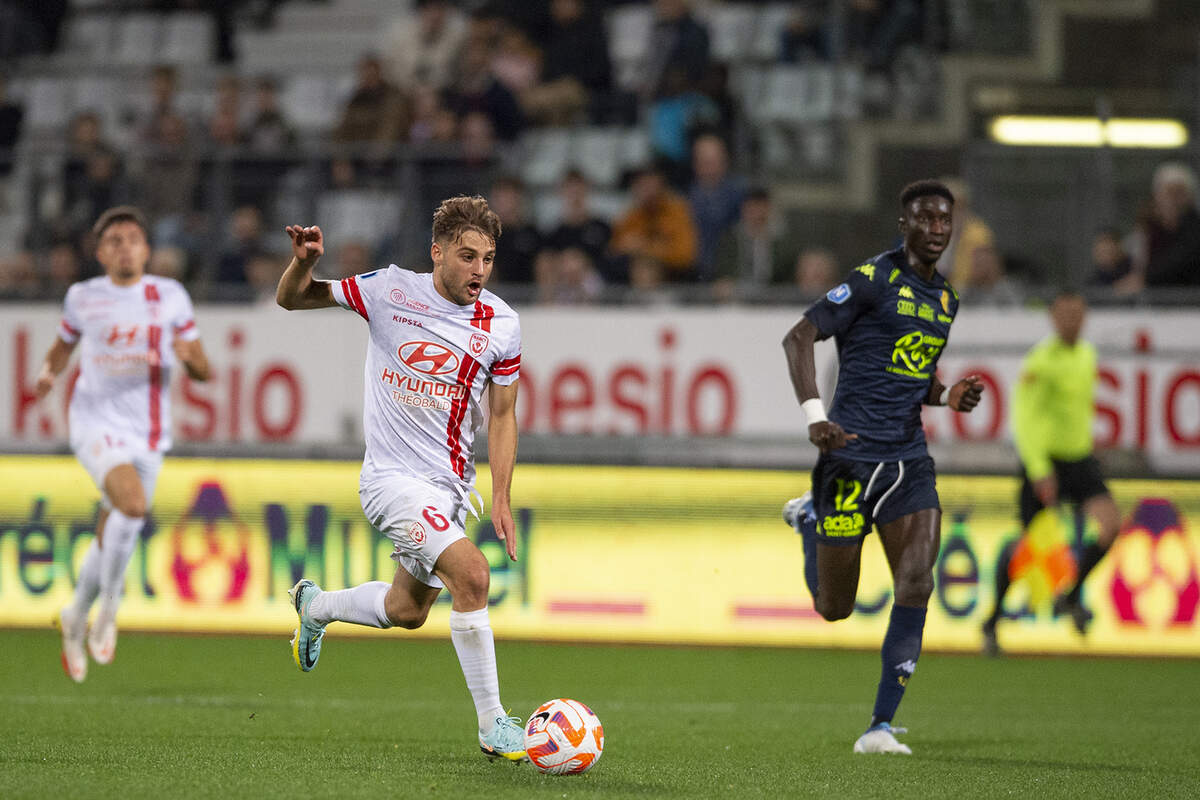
{"type": "Point", "coordinates": [564, 737]}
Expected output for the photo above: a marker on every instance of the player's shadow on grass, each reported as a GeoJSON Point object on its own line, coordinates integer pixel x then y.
{"type": "Point", "coordinates": [1013, 761]}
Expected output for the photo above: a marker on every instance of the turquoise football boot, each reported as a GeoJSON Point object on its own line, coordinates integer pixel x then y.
{"type": "Point", "coordinates": [306, 641]}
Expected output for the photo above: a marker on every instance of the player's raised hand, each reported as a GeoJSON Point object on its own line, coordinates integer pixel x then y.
{"type": "Point", "coordinates": [965, 394]}
{"type": "Point", "coordinates": [506, 531]}
{"type": "Point", "coordinates": [828, 435]}
{"type": "Point", "coordinates": [307, 244]}
{"type": "Point", "coordinates": [1046, 490]}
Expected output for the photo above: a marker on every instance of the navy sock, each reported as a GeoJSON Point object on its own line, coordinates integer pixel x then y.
{"type": "Point", "coordinates": [810, 564]}
{"type": "Point", "coordinates": [901, 648]}
{"type": "Point", "coordinates": [1002, 584]}
{"type": "Point", "coordinates": [1087, 560]}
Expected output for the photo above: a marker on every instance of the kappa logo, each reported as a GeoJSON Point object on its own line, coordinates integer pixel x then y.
{"type": "Point", "coordinates": [428, 357]}
{"type": "Point", "coordinates": [479, 343]}
{"type": "Point", "coordinates": [838, 294]}
{"type": "Point", "coordinates": [416, 532]}
{"type": "Point", "coordinates": [906, 292]}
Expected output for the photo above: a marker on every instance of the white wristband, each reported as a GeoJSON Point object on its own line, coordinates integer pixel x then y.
{"type": "Point", "coordinates": [945, 398]}
{"type": "Point", "coordinates": [814, 411]}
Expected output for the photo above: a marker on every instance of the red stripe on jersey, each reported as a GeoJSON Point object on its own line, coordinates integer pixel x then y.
{"type": "Point", "coordinates": [483, 316]}
{"type": "Point", "coordinates": [155, 387]}
{"type": "Point", "coordinates": [151, 293]}
{"type": "Point", "coordinates": [69, 329]}
{"type": "Point", "coordinates": [185, 327]}
{"type": "Point", "coordinates": [356, 299]}
{"type": "Point", "coordinates": [458, 410]}
{"type": "Point", "coordinates": [507, 363]}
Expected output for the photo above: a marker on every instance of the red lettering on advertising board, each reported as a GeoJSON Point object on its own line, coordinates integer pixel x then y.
{"type": "Point", "coordinates": [1178, 386]}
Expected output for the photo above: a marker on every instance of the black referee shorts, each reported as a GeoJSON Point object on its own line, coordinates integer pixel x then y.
{"type": "Point", "coordinates": [1077, 481]}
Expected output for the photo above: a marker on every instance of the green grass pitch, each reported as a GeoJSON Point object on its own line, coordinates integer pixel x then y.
{"type": "Point", "coordinates": [219, 717]}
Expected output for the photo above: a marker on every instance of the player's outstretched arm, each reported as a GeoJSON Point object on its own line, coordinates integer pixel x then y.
{"type": "Point", "coordinates": [55, 362]}
{"type": "Point", "coordinates": [297, 289]}
{"type": "Point", "coordinates": [502, 458]}
{"type": "Point", "coordinates": [195, 361]}
{"type": "Point", "coordinates": [802, 367]}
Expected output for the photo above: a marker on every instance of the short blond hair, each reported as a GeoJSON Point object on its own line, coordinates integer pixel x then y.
{"type": "Point", "coordinates": [457, 215]}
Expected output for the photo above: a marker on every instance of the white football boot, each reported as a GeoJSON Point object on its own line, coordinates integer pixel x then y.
{"type": "Point", "coordinates": [881, 738]}
{"type": "Point", "coordinates": [74, 658]}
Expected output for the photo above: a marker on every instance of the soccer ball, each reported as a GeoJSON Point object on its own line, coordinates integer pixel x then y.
{"type": "Point", "coordinates": [564, 737]}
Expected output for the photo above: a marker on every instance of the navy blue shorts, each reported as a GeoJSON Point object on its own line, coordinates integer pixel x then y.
{"type": "Point", "coordinates": [849, 497]}
{"type": "Point", "coordinates": [1078, 482]}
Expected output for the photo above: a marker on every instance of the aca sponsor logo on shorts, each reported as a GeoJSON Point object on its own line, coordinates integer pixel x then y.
{"type": "Point", "coordinates": [843, 524]}
{"type": "Point", "coordinates": [401, 299]}
{"type": "Point", "coordinates": [416, 532]}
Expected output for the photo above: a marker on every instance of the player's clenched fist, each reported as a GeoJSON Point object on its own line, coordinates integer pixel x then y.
{"type": "Point", "coordinates": [307, 243]}
{"type": "Point", "coordinates": [965, 394]}
{"type": "Point", "coordinates": [828, 435]}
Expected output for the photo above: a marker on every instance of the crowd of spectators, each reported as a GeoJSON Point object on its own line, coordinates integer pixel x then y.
{"type": "Point", "coordinates": [457, 84]}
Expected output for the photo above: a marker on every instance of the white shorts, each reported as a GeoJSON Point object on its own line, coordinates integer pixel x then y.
{"type": "Point", "coordinates": [100, 452]}
{"type": "Point", "coordinates": [420, 517]}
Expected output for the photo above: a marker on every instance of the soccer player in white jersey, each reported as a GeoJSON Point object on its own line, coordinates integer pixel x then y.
{"type": "Point", "coordinates": [437, 340]}
{"type": "Point", "coordinates": [134, 328]}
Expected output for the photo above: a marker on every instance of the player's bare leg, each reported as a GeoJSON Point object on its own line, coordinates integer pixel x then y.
{"type": "Point", "coordinates": [911, 544]}
{"type": "Point", "coordinates": [838, 568]}
{"type": "Point", "coordinates": [117, 540]}
{"type": "Point", "coordinates": [466, 573]}
{"type": "Point", "coordinates": [1103, 509]}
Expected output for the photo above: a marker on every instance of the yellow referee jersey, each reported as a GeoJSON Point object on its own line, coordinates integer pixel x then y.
{"type": "Point", "coordinates": [1053, 404]}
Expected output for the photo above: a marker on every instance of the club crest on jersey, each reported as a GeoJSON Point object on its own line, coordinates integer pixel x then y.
{"type": "Point", "coordinates": [838, 294]}
{"type": "Point", "coordinates": [479, 343]}
{"type": "Point", "coordinates": [428, 357]}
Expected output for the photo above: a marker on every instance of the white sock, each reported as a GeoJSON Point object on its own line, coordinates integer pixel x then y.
{"type": "Point", "coordinates": [362, 605]}
{"type": "Point", "coordinates": [87, 585]}
{"type": "Point", "coordinates": [120, 538]}
{"type": "Point", "coordinates": [471, 633]}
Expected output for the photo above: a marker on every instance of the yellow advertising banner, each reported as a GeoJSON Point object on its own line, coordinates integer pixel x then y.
{"type": "Point", "coordinates": [607, 554]}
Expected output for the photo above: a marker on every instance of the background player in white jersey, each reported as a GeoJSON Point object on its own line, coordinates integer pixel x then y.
{"type": "Point", "coordinates": [134, 328]}
{"type": "Point", "coordinates": [437, 340]}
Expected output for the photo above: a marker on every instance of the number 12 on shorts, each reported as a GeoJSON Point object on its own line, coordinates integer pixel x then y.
{"type": "Point", "coordinates": [848, 491]}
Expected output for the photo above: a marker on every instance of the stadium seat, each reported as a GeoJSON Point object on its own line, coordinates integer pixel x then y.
{"type": "Point", "coordinates": [767, 42]}
{"type": "Point", "coordinates": [187, 39]}
{"type": "Point", "coordinates": [732, 30]}
{"type": "Point", "coordinates": [47, 101]}
{"type": "Point", "coordinates": [137, 39]}
{"type": "Point", "coordinates": [629, 29]}
{"type": "Point", "coordinates": [311, 102]}
{"type": "Point", "coordinates": [635, 148]}
{"type": "Point", "coordinates": [595, 153]}
{"type": "Point", "coordinates": [547, 154]}
{"type": "Point", "coordinates": [88, 37]}
{"type": "Point", "coordinates": [799, 94]}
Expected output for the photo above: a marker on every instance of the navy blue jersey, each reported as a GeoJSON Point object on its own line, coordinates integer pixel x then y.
{"type": "Point", "coordinates": [890, 325]}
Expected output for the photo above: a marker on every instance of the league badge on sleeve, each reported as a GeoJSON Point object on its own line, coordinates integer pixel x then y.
{"type": "Point", "coordinates": [838, 294]}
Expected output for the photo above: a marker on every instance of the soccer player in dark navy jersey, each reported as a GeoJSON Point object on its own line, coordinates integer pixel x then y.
{"type": "Point", "coordinates": [890, 319]}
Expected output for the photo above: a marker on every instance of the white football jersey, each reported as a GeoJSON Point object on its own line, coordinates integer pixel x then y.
{"type": "Point", "coordinates": [126, 356]}
{"type": "Point", "coordinates": [428, 362]}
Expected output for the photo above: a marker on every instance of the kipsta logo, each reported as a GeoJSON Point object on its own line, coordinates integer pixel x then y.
{"type": "Point", "coordinates": [428, 357]}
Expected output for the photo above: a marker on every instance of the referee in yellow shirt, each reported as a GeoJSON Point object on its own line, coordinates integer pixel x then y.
{"type": "Point", "coordinates": [1053, 408]}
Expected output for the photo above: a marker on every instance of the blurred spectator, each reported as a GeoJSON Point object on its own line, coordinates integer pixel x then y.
{"type": "Point", "coordinates": [101, 185]}
{"type": "Point", "coordinates": [816, 271]}
{"type": "Point", "coordinates": [531, 16]}
{"type": "Point", "coordinates": [376, 112]}
{"type": "Point", "coordinates": [168, 174]}
{"type": "Point", "coordinates": [223, 130]}
{"type": "Point", "coordinates": [658, 224]}
{"type": "Point", "coordinates": [353, 258]}
{"type": "Point", "coordinates": [1166, 244]}
{"type": "Point", "coordinates": [673, 117]}
{"type": "Point", "coordinates": [421, 49]}
{"type": "Point", "coordinates": [18, 276]}
{"type": "Point", "coordinates": [575, 70]}
{"type": "Point", "coordinates": [149, 112]}
{"type": "Point", "coordinates": [88, 155]}
{"type": "Point", "coordinates": [516, 62]}
{"type": "Point", "coordinates": [268, 131]}
{"type": "Point", "coordinates": [679, 41]}
{"type": "Point", "coordinates": [804, 37]}
{"type": "Point", "coordinates": [245, 241]}
{"type": "Point", "coordinates": [11, 116]}
{"type": "Point", "coordinates": [715, 197]}
{"type": "Point", "coordinates": [969, 233]}
{"type": "Point", "coordinates": [227, 97]}
{"type": "Point", "coordinates": [578, 227]}
{"type": "Point", "coordinates": [478, 139]}
{"type": "Point", "coordinates": [169, 262]}
{"type": "Point", "coordinates": [359, 212]}
{"type": "Point", "coordinates": [475, 88]}
{"type": "Point", "coordinates": [62, 269]}
{"type": "Point", "coordinates": [262, 276]}
{"type": "Point", "coordinates": [647, 282]}
{"type": "Point", "coordinates": [873, 30]}
{"type": "Point", "coordinates": [432, 121]}
{"type": "Point", "coordinates": [568, 276]}
{"type": "Point", "coordinates": [520, 241]}
{"type": "Point", "coordinates": [989, 285]}
{"type": "Point", "coordinates": [1110, 263]}
{"type": "Point", "coordinates": [752, 253]}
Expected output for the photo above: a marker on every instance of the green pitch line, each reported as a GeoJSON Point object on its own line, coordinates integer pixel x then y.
{"type": "Point", "coordinates": [218, 717]}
